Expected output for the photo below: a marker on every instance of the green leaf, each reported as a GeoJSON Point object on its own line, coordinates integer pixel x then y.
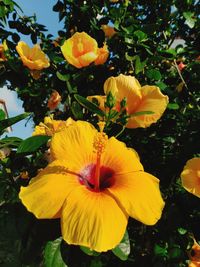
{"type": "Point", "coordinates": [77, 110]}
{"type": "Point", "coordinates": [161, 85]}
{"type": "Point", "coordinates": [10, 142]}
{"type": "Point", "coordinates": [153, 74]}
{"type": "Point", "coordinates": [189, 19]}
{"type": "Point", "coordinates": [89, 252]}
{"type": "Point", "coordinates": [10, 121]}
{"type": "Point", "coordinates": [173, 106]}
{"type": "Point", "coordinates": [52, 255]}
{"type": "Point", "coordinates": [32, 143]}
{"type": "Point", "coordinates": [2, 115]}
{"type": "Point", "coordinates": [89, 105]}
{"type": "Point", "coordinates": [139, 66]}
{"type": "Point", "coordinates": [140, 113]}
{"type": "Point", "coordinates": [123, 249]}
{"type": "Point", "coordinates": [140, 35]}
{"type": "Point", "coordinates": [160, 251]}
{"type": "Point", "coordinates": [62, 77]}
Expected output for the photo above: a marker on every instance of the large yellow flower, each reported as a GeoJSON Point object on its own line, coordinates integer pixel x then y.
{"type": "Point", "coordinates": [190, 176]}
{"type": "Point", "coordinates": [80, 50]}
{"type": "Point", "coordinates": [92, 189]}
{"type": "Point", "coordinates": [33, 58]}
{"type": "Point", "coordinates": [139, 99]}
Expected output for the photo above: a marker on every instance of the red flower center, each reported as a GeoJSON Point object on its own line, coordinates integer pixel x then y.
{"type": "Point", "coordinates": [106, 177]}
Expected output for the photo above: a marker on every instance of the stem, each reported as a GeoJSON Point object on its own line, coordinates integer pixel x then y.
{"type": "Point", "coordinates": [180, 75]}
{"type": "Point", "coordinates": [97, 173]}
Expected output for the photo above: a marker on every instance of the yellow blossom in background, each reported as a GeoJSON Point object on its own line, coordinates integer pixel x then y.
{"type": "Point", "coordinates": [80, 50]}
{"type": "Point", "coordinates": [108, 30]}
{"type": "Point", "coordinates": [114, 1]}
{"type": "Point", "coordinates": [3, 48]}
{"type": "Point", "coordinates": [91, 189]}
{"type": "Point", "coordinates": [50, 126]}
{"type": "Point", "coordinates": [139, 99]}
{"type": "Point", "coordinates": [103, 54]}
{"type": "Point", "coordinates": [4, 152]}
{"type": "Point", "coordinates": [54, 100]}
{"type": "Point", "coordinates": [190, 176]}
{"type": "Point", "coordinates": [33, 58]}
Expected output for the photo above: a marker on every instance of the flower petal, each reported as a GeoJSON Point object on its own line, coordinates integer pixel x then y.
{"type": "Point", "coordinates": [74, 143]}
{"type": "Point", "coordinates": [152, 100]}
{"type": "Point", "coordinates": [93, 220]}
{"type": "Point", "coordinates": [139, 194]}
{"type": "Point", "coordinates": [45, 194]}
{"type": "Point", "coordinates": [66, 49]}
{"type": "Point", "coordinates": [87, 58]}
{"type": "Point", "coordinates": [123, 160]}
{"type": "Point", "coordinates": [190, 176]}
{"type": "Point", "coordinates": [124, 86]}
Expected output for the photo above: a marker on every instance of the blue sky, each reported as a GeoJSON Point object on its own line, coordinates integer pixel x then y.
{"type": "Point", "coordinates": [46, 16]}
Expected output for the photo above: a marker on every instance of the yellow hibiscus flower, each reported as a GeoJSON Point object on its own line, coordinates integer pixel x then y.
{"type": "Point", "coordinates": [33, 58]}
{"type": "Point", "coordinates": [190, 176]}
{"type": "Point", "coordinates": [139, 99]}
{"type": "Point", "coordinates": [92, 189]}
{"type": "Point", "coordinates": [80, 50]}
{"type": "Point", "coordinates": [51, 126]}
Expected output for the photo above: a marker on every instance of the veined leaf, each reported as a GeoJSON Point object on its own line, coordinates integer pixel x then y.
{"type": "Point", "coordinates": [32, 143]}
{"type": "Point", "coordinates": [5, 123]}
{"type": "Point", "coordinates": [123, 249]}
{"type": "Point", "coordinates": [89, 105]}
{"type": "Point", "coordinates": [52, 255]}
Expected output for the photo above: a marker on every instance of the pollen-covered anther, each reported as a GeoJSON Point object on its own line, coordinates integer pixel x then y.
{"type": "Point", "coordinates": [100, 141]}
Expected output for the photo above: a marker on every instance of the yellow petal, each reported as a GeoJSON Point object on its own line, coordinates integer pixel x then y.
{"type": "Point", "coordinates": [120, 158]}
{"type": "Point", "coordinates": [45, 194]}
{"type": "Point", "coordinates": [124, 86]}
{"type": "Point", "coordinates": [93, 220]}
{"type": "Point", "coordinates": [190, 176]}
{"type": "Point", "coordinates": [139, 194]}
{"type": "Point", "coordinates": [66, 49]}
{"type": "Point", "coordinates": [152, 100]}
{"type": "Point", "coordinates": [74, 143]}
{"type": "Point", "coordinates": [99, 98]}
{"type": "Point", "coordinates": [33, 58]}
{"type": "Point", "coordinates": [87, 58]}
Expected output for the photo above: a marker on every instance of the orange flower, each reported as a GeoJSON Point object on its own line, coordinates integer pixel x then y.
{"type": "Point", "coordinates": [190, 176]}
{"type": "Point", "coordinates": [80, 50]}
{"type": "Point", "coordinates": [181, 66]}
{"type": "Point", "coordinates": [194, 255]}
{"type": "Point", "coordinates": [103, 54]}
{"type": "Point", "coordinates": [33, 58]}
{"type": "Point", "coordinates": [108, 30]}
{"type": "Point", "coordinates": [54, 100]}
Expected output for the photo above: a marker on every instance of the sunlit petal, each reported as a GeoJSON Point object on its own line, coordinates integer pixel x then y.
{"type": "Point", "coordinates": [93, 220]}
{"type": "Point", "coordinates": [139, 194]}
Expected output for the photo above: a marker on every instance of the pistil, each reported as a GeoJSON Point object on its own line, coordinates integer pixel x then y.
{"type": "Point", "coordinates": [99, 144]}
